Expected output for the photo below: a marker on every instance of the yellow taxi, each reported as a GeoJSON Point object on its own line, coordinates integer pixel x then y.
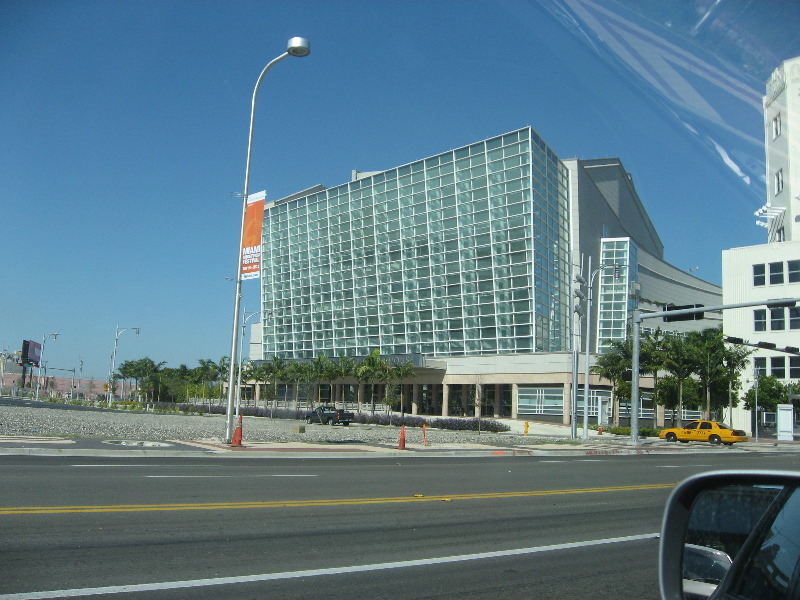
{"type": "Point", "coordinates": [703, 431]}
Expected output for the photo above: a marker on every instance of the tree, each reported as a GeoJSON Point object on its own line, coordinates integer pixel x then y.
{"type": "Point", "coordinates": [371, 370]}
{"type": "Point", "coordinates": [771, 392]}
{"type": "Point", "coordinates": [707, 350]}
{"type": "Point", "coordinates": [679, 361]}
{"type": "Point", "coordinates": [734, 360]}
{"type": "Point", "coordinates": [651, 359]}
{"type": "Point", "coordinates": [611, 365]}
{"type": "Point", "coordinates": [396, 374]}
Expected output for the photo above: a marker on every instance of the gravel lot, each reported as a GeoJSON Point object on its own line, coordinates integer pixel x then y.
{"type": "Point", "coordinates": [62, 421]}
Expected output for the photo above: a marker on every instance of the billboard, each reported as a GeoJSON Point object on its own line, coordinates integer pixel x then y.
{"type": "Point", "coordinates": [251, 236]}
{"type": "Point", "coordinates": [31, 353]}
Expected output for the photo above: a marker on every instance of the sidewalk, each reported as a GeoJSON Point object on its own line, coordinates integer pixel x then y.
{"type": "Point", "coordinates": [554, 441]}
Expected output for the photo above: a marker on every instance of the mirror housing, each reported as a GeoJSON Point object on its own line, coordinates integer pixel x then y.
{"type": "Point", "coordinates": [731, 504]}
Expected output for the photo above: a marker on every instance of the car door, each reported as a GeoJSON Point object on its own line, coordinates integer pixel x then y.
{"type": "Point", "coordinates": [703, 432]}
{"type": "Point", "coordinates": [690, 431]}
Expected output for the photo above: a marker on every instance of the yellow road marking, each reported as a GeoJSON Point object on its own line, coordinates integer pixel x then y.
{"type": "Point", "coordinates": [43, 510]}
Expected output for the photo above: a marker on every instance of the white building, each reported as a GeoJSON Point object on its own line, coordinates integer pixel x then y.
{"type": "Point", "coordinates": [771, 271]}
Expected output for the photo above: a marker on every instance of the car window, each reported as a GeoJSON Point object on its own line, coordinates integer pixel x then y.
{"type": "Point", "coordinates": [771, 571]}
{"type": "Point", "coordinates": [705, 425]}
{"type": "Point", "coordinates": [692, 425]}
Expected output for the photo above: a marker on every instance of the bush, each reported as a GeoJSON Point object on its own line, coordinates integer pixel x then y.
{"type": "Point", "coordinates": [644, 432]}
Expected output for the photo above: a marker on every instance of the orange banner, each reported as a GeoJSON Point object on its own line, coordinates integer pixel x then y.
{"type": "Point", "coordinates": [251, 236]}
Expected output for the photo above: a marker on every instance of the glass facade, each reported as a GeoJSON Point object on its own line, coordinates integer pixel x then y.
{"type": "Point", "coordinates": [615, 301]}
{"type": "Point", "coordinates": [462, 253]}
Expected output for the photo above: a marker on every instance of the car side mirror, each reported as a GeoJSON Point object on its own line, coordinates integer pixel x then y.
{"type": "Point", "coordinates": [735, 532]}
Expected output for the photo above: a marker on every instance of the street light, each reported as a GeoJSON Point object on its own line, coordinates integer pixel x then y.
{"type": "Point", "coordinates": [617, 267]}
{"type": "Point", "coordinates": [45, 337]}
{"type": "Point", "coordinates": [297, 47]}
{"type": "Point", "coordinates": [247, 317]}
{"type": "Point", "coordinates": [114, 358]}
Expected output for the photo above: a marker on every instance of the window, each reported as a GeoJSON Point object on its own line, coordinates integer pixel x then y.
{"type": "Point", "coordinates": [776, 126]}
{"type": "Point", "coordinates": [760, 366]}
{"type": "Point", "coordinates": [775, 273]}
{"type": "Point", "coordinates": [760, 319]}
{"type": "Point", "coordinates": [794, 271]}
{"type": "Point", "coordinates": [777, 367]}
{"type": "Point", "coordinates": [794, 367]}
{"type": "Point", "coordinates": [794, 318]}
{"type": "Point", "coordinates": [778, 182]}
{"type": "Point", "coordinates": [759, 275]}
{"type": "Point", "coordinates": [777, 320]}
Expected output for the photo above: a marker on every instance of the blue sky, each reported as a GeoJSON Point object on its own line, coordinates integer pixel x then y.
{"type": "Point", "coordinates": [124, 131]}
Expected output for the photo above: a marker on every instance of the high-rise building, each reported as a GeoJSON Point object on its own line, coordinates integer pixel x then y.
{"type": "Point", "coordinates": [462, 253]}
{"type": "Point", "coordinates": [771, 271]}
{"type": "Point", "coordinates": [465, 263]}
{"type": "Point", "coordinates": [781, 213]}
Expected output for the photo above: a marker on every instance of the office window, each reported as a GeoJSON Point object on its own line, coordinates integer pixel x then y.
{"type": "Point", "coordinates": [794, 318]}
{"type": "Point", "coordinates": [776, 126]}
{"type": "Point", "coordinates": [775, 273]}
{"type": "Point", "coordinates": [794, 367]}
{"type": "Point", "coordinates": [760, 319]}
{"type": "Point", "coordinates": [777, 320]}
{"type": "Point", "coordinates": [777, 367]}
{"type": "Point", "coordinates": [760, 366]}
{"type": "Point", "coordinates": [759, 275]}
{"type": "Point", "coordinates": [778, 181]}
{"type": "Point", "coordinates": [793, 267]}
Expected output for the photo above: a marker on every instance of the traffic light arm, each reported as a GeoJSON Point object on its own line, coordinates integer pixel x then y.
{"type": "Point", "coordinates": [790, 302]}
{"type": "Point", "coordinates": [637, 319]}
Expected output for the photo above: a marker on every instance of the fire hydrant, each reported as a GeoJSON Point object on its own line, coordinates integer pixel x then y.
{"type": "Point", "coordinates": [600, 430]}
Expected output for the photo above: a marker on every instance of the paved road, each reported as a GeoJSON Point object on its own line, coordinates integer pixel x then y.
{"type": "Point", "coordinates": [416, 527]}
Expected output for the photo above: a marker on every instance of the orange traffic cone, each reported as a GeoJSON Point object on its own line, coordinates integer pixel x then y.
{"type": "Point", "coordinates": [402, 445]}
{"type": "Point", "coordinates": [237, 434]}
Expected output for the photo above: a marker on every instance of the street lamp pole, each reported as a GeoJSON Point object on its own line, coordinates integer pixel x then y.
{"type": "Point", "coordinates": [113, 360]}
{"type": "Point", "coordinates": [41, 358]}
{"type": "Point", "coordinates": [589, 296]}
{"type": "Point", "coordinates": [297, 47]}
{"type": "Point", "coordinates": [247, 317]}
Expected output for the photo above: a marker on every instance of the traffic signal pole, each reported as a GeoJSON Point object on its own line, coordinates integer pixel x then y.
{"type": "Point", "coordinates": [637, 317]}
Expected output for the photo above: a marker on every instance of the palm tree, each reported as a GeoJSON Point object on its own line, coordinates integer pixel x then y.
{"type": "Point", "coordinates": [298, 373]}
{"type": "Point", "coordinates": [396, 373]}
{"type": "Point", "coordinates": [708, 350]}
{"type": "Point", "coordinates": [651, 359]}
{"type": "Point", "coordinates": [372, 369]}
{"type": "Point", "coordinates": [611, 365]}
{"type": "Point", "coordinates": [734, 359]}
{"type": "Point", "coordinates": [679, 361]}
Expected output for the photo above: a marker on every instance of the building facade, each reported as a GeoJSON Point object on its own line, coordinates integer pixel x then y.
{"type": "Point", "coordinates": [781, 213]}
{"type": "Point", "coordinates": [771, 271]}
{"type": "Point", "coordinates": [465, 263]}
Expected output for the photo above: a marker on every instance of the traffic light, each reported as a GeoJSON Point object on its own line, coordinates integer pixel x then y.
{"type": "Point", "coordinates": [697, 316]}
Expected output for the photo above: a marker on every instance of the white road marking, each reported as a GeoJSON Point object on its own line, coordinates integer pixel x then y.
{"type": "Point", "coordinates": [196, 583]}
{"type": "Point", "coordinates": [217, 476]}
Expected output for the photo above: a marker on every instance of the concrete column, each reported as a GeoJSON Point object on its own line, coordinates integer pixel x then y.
{"type": "Point", "coordinates": [415, 398]}
{"type": "Point", "coordinates": [464, 399]}
{"type": "Point", "coordinates": [567, 405]}
{"type": "Point", "coordinates": [514, 400]}
{"type": "Point", "coordinates": [498, 399]}
{"type": "Point", "coordinates": [660, 414]}
{"type": "Point", "coordinates": [445, 400]}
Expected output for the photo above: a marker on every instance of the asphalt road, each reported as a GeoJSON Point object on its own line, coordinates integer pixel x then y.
{"type": "Point", "coordinates": [443, 528]}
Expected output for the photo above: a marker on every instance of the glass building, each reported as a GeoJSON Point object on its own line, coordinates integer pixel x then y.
{"type": "Point", "coordinates": [463, 253]}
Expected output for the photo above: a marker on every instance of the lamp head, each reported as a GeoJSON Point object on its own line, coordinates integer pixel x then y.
{"type": "Point", "coordinates": [299, 47]}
